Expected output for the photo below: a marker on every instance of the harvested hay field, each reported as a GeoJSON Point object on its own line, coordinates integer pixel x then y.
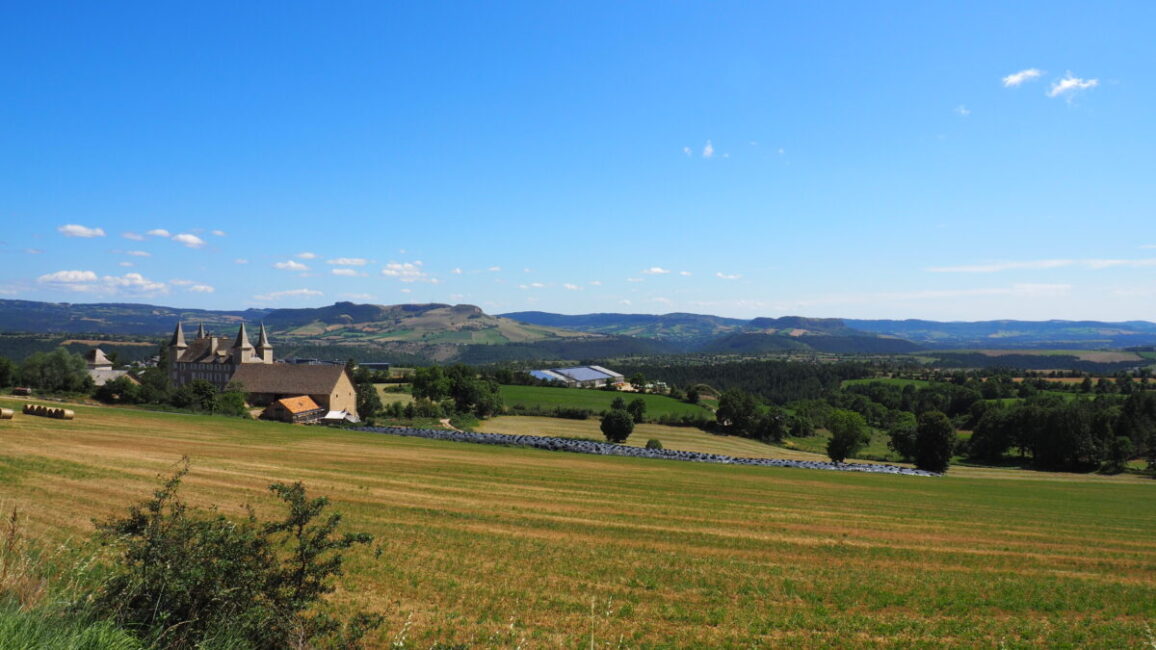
{"type": "Point", "coordinates": [1094, 356]}
{"type": "Point", "coordinates": [504, 547]}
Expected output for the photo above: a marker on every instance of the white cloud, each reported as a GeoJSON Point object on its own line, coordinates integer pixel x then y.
{"type": "Point", "coordinates": [67, 276]}
{"type": "Point", "coordinates": [307, 255]}
{"type": "Point", "coordinates": [1017, 78]}
{"type": "Point", "coordinates": [138, 253]}
{"type": "Point", "coordinates": [290, 265]}
{"type": "Point", "coordinates": [348, 261]}
{"type": "Point", "coordinates": [292, 293]}
{"type": "Point", "coordinates": [76, 230]}
{"type": "Point", "coordinates": [240, 260]}
{"type": "Point", "coordinates": [595, 283]}
{"type": "Point", "coordinates": [125, 264]}
{"type": "Point", "coordinates": [352, 273]}
{"type": "Point", "coordinates": [457, 271]}
{"type": "Point", "coordinates": [532, 285]}
{"type": "Point", "coordinates": [962, 111]}
{"type": "Point", "coordinates": [494, 269]}
{"type": "Point", "coordinates": [688, 152]}
{"type": "Point", "coordinates": [624, 301]}
{"type": "Point", "coordinates": [1093, 264]}
{"type": "Point", "coordinates": [181, 283]}
{"type": "Point", "coordinates": [1147, 245]}
{"type": "Point", "coordinates": [133, 236]}
{"type": "Point", "coordinates": [656, 270]}
{"type": "Point", "coordinates": [635, 280]}
{"type": "Point", "coordinates": [685, 274]}
{"type": "Point", "coordinates": [159, 232]}
{"type": "Point", "coordinates": [192, 241]}
{"type": "Point", "coordinates": [218, 233]}
{"type": "Point", "coordinates": [708, 150]}
{"type": "Point", "coordinates": [572, 287]}
{"type": "Point", "coordinates": [201, 288]}
{"type": "Point", "coordinates": [88, 282]}
{"type": "Point", "coordinates": [1070, 85]}
{"type": "Point", "coordinates": [405, 271]}
{"type": "Point", "coordinates": [33, 251]}
{"type": "Point", "coordinates": [726, 276]}
{"type": "Point", "coordinates": [407, 290]}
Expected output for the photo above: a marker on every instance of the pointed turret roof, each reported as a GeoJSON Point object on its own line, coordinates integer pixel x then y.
{"type": "Point", "coordinates": [242, 339]}
{"type": "Point", "coordinates": [263, 341]}
{"type": "Point", "coordinates": [178, 339]}
{"type": "Point", "coordinates": [201, 331]}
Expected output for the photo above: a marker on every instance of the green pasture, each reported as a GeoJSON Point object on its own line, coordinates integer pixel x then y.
{"type": "Point", "coordinates": [889, 381]}
{"type": "Point", "coordinates": [498, 547]}
{"type": "Point", "coordinates": [546, 397]}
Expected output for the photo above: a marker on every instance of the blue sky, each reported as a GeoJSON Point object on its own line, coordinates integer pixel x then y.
{"type": "Point", "coordinates": [953, 161]}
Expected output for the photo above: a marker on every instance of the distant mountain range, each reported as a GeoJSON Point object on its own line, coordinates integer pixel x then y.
{"type": "Point", "coordinates": [465, 333]}
{"type": "Point", "coordinates": [695, 329]}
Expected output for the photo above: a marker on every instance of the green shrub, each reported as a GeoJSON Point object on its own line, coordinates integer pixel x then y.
{"type": "Point", "coordinates": [184, 576]}
{"type": "Point", "coordinates": [654, 443]}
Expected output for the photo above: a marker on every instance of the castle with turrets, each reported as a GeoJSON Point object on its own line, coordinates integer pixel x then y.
{"type": "Point", "coordinates": [212, 358]}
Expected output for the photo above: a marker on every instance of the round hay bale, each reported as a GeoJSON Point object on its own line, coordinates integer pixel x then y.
{"type": "Point", "coordinates": [6, 414]}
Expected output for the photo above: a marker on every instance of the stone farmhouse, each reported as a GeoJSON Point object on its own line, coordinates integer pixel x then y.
{"type": "Point", "coordinates": [219, 361]}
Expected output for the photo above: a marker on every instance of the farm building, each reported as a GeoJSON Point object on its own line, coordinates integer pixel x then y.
{"type": "Point", "coordinates": [579, 376]}
{"type": "Point", "coordinates": [300, 410]}
{"type": "Point", "coordinates": [328, 386]}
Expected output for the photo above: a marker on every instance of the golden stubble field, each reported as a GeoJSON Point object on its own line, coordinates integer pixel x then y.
{"type": "Point", "coordinates": [501, 547]}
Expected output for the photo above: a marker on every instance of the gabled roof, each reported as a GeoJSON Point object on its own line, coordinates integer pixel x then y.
{"type": "Point", "coordinates": [287, 379]}
{"type": "Point", "coordinates": [299, 404]}
{"type": "Point", "coordinates": [242, 339]}
{"type": "Point", "coordinates": [95, 357]}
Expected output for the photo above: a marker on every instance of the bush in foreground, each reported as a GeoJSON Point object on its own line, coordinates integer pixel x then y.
{"type": "Point", "coordinates": [186, 577]}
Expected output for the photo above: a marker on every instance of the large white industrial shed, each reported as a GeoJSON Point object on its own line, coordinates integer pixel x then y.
{"type": "Point", "coordinates": [579, 376]}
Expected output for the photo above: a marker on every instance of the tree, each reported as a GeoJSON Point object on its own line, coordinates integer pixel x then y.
{"type": "Point", "coordinates": [59, 370]}
{"type": "Point", "coordinates": [204, 394]}
{"type": "Point", "coordinates": [7, 372]}
{"type": "Point", "coordinates": [618, 404]}
{"type": "Point", "coordinates": [638, 381]}
{"type": "Point", "coordinates": [736, 411]}
{"type": "Point", "coordinates": [231, 401]}
{"type": "Point", "coordinates": [368, 401]}
{"type": "Point", "coordinates": [849, 434]}
{"type": "Point", "coordinates": [934, 442]}
{"type": "Point", "coordinates": [184, 577]}
{"type": "Point", "coordinates": [637, 409]}
{"type": "Point", "coordinates": [617, 426]}
{"type": "Point", "coordinates": [903, 432]}
{"type": "Point", "coordinates": [121, 390]}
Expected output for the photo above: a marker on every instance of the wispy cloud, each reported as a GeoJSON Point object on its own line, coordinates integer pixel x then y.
{"type": "Point", "coordinates": [125, 264]}
{"type": "Point", "coordinates": [139, 253]}
{"type": "Point", "coordinates": [240, 260]}
{"type": "Point", "coordinates": [201, 288]}
{"type": "Point", "coordinates": [708, 150]}
{"type": "Point", "coordinates": [1017, 78]}
{"type": "Point", "coordinates": [351, 273]}
{"type": "Point", "coordinates": [532, 285]}
{"type": "Point", "coordinates": [292, 293]}
{"type": "Point", "coordinates": [727, 276]}
{"type": "Point", "coordinates": [962, 111]}
{"type": "Point", "coordinates": [406, 271]}
{"type": "Point", "coordinates": [571, 287]}
{"type": "Point", "coordinates": [77, 230]}
{"type": "Point", "coordinates": [192, 241]}
{"type": "Point", "coordinates": [685, 274]}
{"type": "Point", "coordinates": [348, 261]}
{"type": "Point", "coordinates": [1070, 85]}
{"type": "Point", "coordinates": [159, 232]}
{"type": "Point", "coordinates": [135, 236]}
{"type": "Point", "coordinates": [1093, 264]}
{"type": "Point", "coordinates": [290, 265]}
{"type": "Point", "coordinates": [218, 233]}
{"type": "Point", "coordinates": [88, 282]}
{"type": "Point", "coordinates": [457, 271]}
{"type": "Point", "coordinates": [687, 152]}
{"type": "Point", "coordinates": [656, 270]}
{"type": "Point", "coordinates": [596, 283]}
{"type": "Point", "coordinates": [494, 269]}
{"type": "Point", "coordinates": [306, 256]}
{"type": "Point", "coordinates": [33, 251]}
